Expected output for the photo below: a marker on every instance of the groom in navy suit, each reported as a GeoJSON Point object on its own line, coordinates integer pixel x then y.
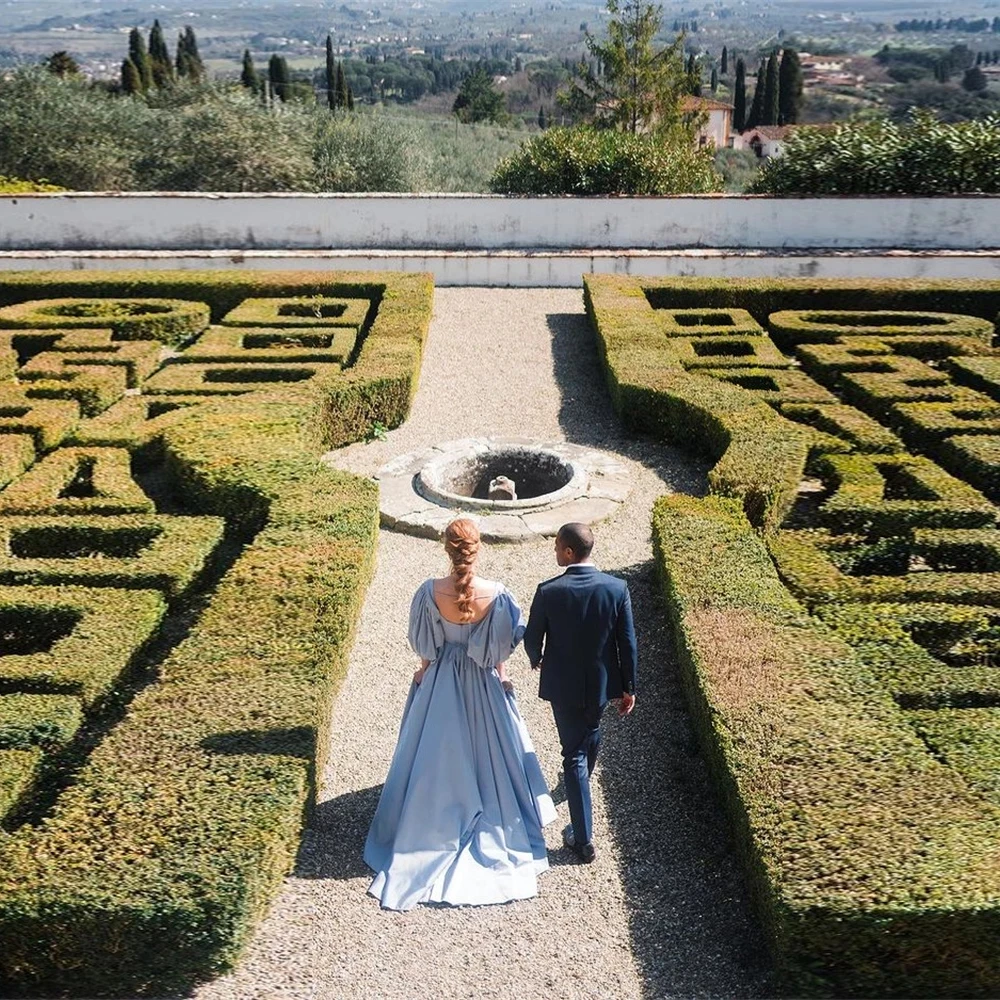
{"type": "Point", "coordinates": [580, 634]}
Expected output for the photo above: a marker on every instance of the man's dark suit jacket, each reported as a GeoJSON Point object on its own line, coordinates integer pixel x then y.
{"type": "Point", "coordinates": [581, 626]}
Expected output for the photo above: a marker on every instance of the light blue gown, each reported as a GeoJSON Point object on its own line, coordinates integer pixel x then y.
{"type": "Point", "coordinates": [461, 814]}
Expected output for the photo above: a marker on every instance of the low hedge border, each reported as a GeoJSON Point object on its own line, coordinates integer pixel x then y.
{"type": "Point", "coordinates": [300, 312]}
{"type": "Point", "coordinates": [707, 323]}
{"type": "Point", "coordinates": [796, 326]}
{"type": "Point", "coordinates": [891, 495]}
{"type": "Point", "coordinates": [19, 773]}
{"type": "Point", "coordinates": [137, 552]}
{"type": "Point", "coordinates": [86, 636]}
{"type": "Point", "coordinates": [926, 425]}
{"type": "Point", "coordinates": [759, 456]}
{"type": "Point", "coordinates": [981, 374]}
{"type": "Point", "coordinates": [153, 866]}
{"type": "Point", "coordinates": [872, 863]}
{"type": "Point", "coordinates": [135, 422]}
{"type": "Point", "coordinates": [245, 345]}
{"type": "Point", "coordinates": [820, 568]}
{"type": "Point", "coordinates": [763, 296]}
{"type": "Point", "coordinates": [976, 458]}
{"type": "Point", "coordinates": [38, 720]}
{"type": "Point", "coordinates": [48, 422]}
{"type": "Point", "coordinates": [968, 740]}
{"type": "Point", "coordinates": [57, 376]}
{"type": "Point", "coordinates": [17, 454]}
{"type": "Point", "coordinates": [78, 481]}
{"type": "Point", "coordinates": [231, 379]}
{"type": "Point", "coordinates": [842, 428]}
{"type": "Point", "coordinates": [903, 646]}
{"type": "Point", "coordinates": [775, 386]}
{"type": "Point", "coordinates": [170, 320]}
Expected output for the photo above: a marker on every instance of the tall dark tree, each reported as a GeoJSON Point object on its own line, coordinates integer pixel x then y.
{"type": "Point", "coordinates": [131, 80]}
{"type": "Point", "coordinates": [714, 85]}
{"type": "Point", "coordinates": [693, 76]}
{"type": "Point", "coordinates": [140, 58]}
{"type": "Point", "coordinates": [772, 92]}
{"type": "Point", "coordinates": [350, 98]}
{"type": "Point", "coordinates": [756, 116]}
{"type": "Point", "coordinates": [249, 77]}
{"type": "Point", "coordinates": [974, 80]}
{"type": "Point", "coordinates": [740, 97]}
{"type": "Point", "coordinates": [159, 57]}
{"type": "Point", "coordinates": [277, 71]}
{"type": "Point", "coordinates": [62, 64]}
{"type": "Point", "coordinates": [189, 62]}
{"type": "Point", "coordinates": [789, 88]}
{"type": "Point", "coordinates": [542, 121]}
{"type": "Point", "coordinates": [330, 76]}
{"type": "Point", "coordinates": [725, 61]}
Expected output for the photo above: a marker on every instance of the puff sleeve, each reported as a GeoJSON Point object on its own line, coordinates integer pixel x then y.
{"type": "Point", "coordinates": [498, 634]}
{"type": "Point", "coordinates": [426, 633]}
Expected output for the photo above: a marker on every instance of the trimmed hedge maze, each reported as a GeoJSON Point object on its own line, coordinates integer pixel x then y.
{"type": "Point", "coordinates": [160, 482]}
{"type": "Point", "coordinates": [836, 602]}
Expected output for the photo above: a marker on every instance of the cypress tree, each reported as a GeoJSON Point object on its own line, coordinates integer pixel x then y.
{"type": "Point", "coordinates": [725, 61]}
{"type": "Point", "coordinates": [789, 88]}
{"type": "Point", "coordinates": [542, 123]}
{"type": "Point", "coordinates": [189, 62]}
{"type": "Point", "coordinates": [159, 57]}
{"type": "Point", "coordinates": [277, 71]}
{"type": "Point", "coordinates": [140, 58]}
{"type": "Point", "coordinates": [350, 99]}
{"type": "Point", "coordinates": [715, 80]}
{"type": "Point", "coordinates": [332, 86]}
{"type": "Point", "coordinates": [249, 77]}
{"type": "Point", "coordinates": [740, 97]}
{"type": "Point", "coordinates": [694, 76]}
{"type": "Point", "coordinates": [772, 93]}
{"type": "Point", "coordinates": [756, 115]}
{"type": "Point", "coordinates": [131, 80]}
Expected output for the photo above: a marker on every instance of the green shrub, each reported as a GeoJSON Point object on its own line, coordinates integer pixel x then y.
{"type": "Point", "coordinates": [48, 422]}
{"type": "Point", "coordinates": [58, 376]}
{"type": "Point", "coordinates": [871, 861]}
{"type": "Point", "coordinates": [820, 568]}
{"type": "Point", "coordinates": [303, 311]}
{"type": "Point", "coordinates": [797, 326]}
{"type": "Point", "coordinates": [843, 427]}
{"type": "Point", "coordinates": [19, 771]}
{"type": "Point", "coordinates": [74, 640]}
{"type": "Point", "coordinates": [177, 830]}
{"type": "Point", "coordinates": [981, 374]}
{"type": "Point", "coordinates": [890, 495]}
{"type": "Point", "coordinates": [976, 458]}
{"type": "Point", "coordinates": [922, 157]}
{"type": "Point", "coordinates": [968, 739]}
{"type": "Point", "coordinates": [130, 552]}
{"type": "Point", "coordinates": [590, 161]}
{"type": "Point", "coordinates": [171, 321]}
{"type": "Point", "coordinates": [708, 323]}
{"type": "Point", "coordinates": [218, 344]}
{"type": "Point", "coordinates": [14, 185]}
{"type": "Point", "coordinates": [78, 481]}
{"type": "Point", "coordinates": [38, 720]}
{"type": "Point", "coordinates": [928, 656]}
{"type": "Point", "coordinates": [774, 386]}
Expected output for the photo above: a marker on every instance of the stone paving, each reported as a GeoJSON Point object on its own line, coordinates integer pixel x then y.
{"type": "Point", "coordinates": [663, 912]}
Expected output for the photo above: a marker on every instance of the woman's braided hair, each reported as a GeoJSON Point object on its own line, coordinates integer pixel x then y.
{"type": "Point", "coordinates": [461, 542]}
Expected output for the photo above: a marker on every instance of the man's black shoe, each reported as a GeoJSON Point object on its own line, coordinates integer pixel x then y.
{"type": "Point", "coordinates": [585, 853]}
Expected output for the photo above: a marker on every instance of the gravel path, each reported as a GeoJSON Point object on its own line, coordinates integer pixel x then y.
{"type": "Point", "coordinates": [663, 912]}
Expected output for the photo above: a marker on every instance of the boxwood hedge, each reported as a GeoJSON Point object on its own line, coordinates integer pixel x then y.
{"type": "Point", "coordinates": [152, 866]}
{"type": "Point", "coordinates": [873, 862]}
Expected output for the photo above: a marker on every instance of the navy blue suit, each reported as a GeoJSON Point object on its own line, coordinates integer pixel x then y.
{"type": "Point", "coordinates": [580, 628]}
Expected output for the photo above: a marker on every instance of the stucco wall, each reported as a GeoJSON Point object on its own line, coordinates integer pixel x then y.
{"type": "Point", "coordinates": [471, 222]}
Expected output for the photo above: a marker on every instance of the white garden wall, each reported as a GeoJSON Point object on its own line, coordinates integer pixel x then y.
{"type": "Point", "coordinates": [237, 222]}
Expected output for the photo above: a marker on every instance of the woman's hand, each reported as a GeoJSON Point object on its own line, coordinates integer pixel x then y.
{"type": "Point", "coordinates": [418, 675]}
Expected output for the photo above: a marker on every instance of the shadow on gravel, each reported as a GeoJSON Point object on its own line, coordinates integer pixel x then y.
{"type": "Point", "coordinates": [334, 840]}
{"type": "Point", "coordinates": [692, 927]}
{"type": "Point", "coordinates": [588, 418]}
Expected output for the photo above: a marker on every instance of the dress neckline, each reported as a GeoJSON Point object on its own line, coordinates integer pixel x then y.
{"type": "Point", "coordinates": [478, 621]}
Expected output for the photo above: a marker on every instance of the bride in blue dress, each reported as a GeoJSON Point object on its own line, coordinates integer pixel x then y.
{"type": "Point", "coordinates": [461, 813]}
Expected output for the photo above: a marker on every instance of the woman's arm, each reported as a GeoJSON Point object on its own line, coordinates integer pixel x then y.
{"type": "Point", "coordinates": [418, 675]}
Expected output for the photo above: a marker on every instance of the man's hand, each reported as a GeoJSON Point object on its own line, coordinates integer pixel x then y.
{"type": "Point", "coordinates": [625, 705]}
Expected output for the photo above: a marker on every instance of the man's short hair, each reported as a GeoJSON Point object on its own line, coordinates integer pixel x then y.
{"type": "Point", "coordinates": [578, 537]}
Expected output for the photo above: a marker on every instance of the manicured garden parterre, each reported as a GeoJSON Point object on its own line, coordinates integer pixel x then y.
{"type": "Point", "coordinates": [835, 602]}
{"type": "Point", "coordinates": [179, 582]}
